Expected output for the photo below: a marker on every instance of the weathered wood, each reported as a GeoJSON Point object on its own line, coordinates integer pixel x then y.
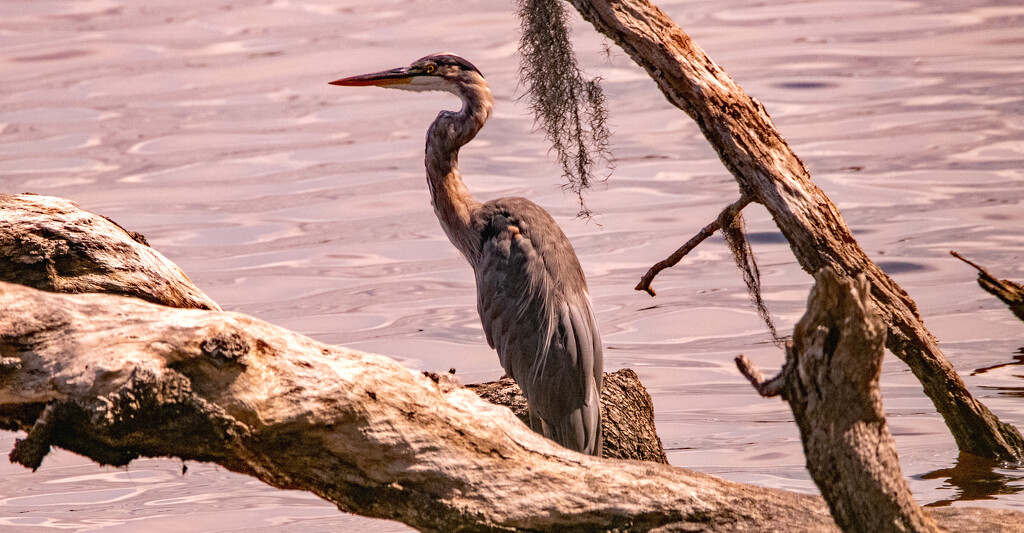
{"type": "Point", "coordinates": [830, 380]}
{"type": "Point", "coordinates": [1012, 294]}
{"type": "Point", "coordinates": [114, 378]}
{"type": "Point", "coordinates": [740, 130]}
{"type": "Point", "coordinates": [627, 414]}
{"type": "Point", "coordinates": [52, 244]}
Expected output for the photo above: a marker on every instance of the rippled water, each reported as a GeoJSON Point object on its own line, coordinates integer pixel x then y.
{"type": "Point", "coordinates": [209, 127]}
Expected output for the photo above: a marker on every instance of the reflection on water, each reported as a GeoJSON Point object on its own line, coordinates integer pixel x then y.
{"type": "Point", "coordinates": [1018, 359]}
{"type": "Point", "coordinates": [974, 478]}
{"type": "Point", "coordinates": [208, 126]}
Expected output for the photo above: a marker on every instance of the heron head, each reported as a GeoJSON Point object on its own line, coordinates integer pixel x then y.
{"type": "Point", "coordinates": [437, 72]}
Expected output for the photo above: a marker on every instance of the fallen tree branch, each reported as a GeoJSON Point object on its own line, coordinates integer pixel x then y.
{"type": "Point", "coordinates": [1012, 294]}
{"type": "Point", "coordinates": [52, 244]}
{"type": "Point", "coordinates": [115, 378]}
{"type": "Point", "coordinates": [724, 219]}
{"type": "Point", "coordinates": [740, 130]}
{"type": "Point", "coordinates": [830, 380]}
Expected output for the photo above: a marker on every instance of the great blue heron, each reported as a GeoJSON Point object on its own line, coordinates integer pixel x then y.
{"type": "Point", "coordinates": [531, 293]}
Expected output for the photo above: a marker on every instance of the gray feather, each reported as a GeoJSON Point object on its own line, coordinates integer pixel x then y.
{"type": "Point", "coordinates": [533, 303]}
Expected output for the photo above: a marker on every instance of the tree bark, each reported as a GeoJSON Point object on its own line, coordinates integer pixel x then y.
{"type": "Point", "coordinates": [114, 378]}
{"type": "Point", "coordinates": [830, 380]}
{"type": "Point", "coordinates": [627, 414]}
{"type": "Point", "coordinates": [740, 130]}
{"type": "Point", "coordinates": [52, 244]}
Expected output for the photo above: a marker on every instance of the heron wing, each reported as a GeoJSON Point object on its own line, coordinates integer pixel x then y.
{"type": "Point", "coordinates": [536, 312]}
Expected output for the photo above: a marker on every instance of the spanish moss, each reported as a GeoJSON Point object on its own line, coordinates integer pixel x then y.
{"type": "Point", "coordinates": [570, 108]}
{"type": "Point", "coordinates": [736, 237]}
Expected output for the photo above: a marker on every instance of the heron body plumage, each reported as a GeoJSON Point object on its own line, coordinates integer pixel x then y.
{"type": "Point", "coordinates": [531, 291]}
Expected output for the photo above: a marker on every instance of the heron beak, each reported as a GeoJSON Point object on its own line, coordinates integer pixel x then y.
{"type": "Point", "coordinates": [395, 76]}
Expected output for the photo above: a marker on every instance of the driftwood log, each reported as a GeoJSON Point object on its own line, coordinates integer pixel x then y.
{"type": "Point", "coordinates": [830, 380]}
{"type": "Point", "coordinates": [769, 172]}
{"type": "Point", "coordinates": [1012, 294]}
{"type": "Point", "coordinates": [115, 378]}
{"type": "Point", "coordinates": [52, 244]}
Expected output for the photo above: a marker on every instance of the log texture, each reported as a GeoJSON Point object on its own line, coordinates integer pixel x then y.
{"type": "Point", "coordinates": [114, 378]}
{"type": "Point", "coordinates": [740, 130]}
{"type": "Point", "coordinates": [830, 380]}
{"type": "Point", "coordinates": [53, 245]}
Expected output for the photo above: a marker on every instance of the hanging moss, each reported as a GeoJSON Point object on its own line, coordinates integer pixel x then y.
{"type": "Point", "coordinates": [569, 107]}
{"type": "Point", "coordinates": [736, 237]}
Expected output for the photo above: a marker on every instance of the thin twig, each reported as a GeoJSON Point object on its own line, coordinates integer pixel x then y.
{"type": "Point", "coordinates": [723, 220]}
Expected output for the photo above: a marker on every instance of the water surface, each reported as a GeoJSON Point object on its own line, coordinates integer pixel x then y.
{"type": "Point", "coordinates": [209, 127]}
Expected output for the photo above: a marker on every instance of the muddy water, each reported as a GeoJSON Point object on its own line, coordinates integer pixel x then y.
{"type": "Point", "coordinates": [209, 127]}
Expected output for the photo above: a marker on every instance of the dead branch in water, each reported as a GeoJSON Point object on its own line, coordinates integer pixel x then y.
{"type": "Point", "coordinates": [830, 380]}
{"type": "Point", "coordinates": [740, 130]}
{"type": "Point", "coordinates": [52, 244]}
{"type": "Point", "coordinates": [115, 378]}
{"type": "Point", "coordinates": [1012, 294]}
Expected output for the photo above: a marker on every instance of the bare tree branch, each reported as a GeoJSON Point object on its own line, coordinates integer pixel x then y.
{"type": "Point", "coordinates": [724, 219]}
{"type": "Point", "coordinates": [1012, 294]}
{"type": "Point", "coordinates": [740, 130]}
{"type": "Point", "coordinates": [768, 388]}
{"type": "Point", "coordinates": [115, 378]}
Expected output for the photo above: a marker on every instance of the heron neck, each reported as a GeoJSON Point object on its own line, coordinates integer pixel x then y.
{"type": "Point", "coordinates": [452, 202]}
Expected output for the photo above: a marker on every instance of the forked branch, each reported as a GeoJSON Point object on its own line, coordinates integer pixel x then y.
{"type": "Point", "coordinates": [740, 130]}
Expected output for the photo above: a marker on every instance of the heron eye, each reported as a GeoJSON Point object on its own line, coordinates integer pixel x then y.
{"type": "Point", "coordinates": [430, 69]}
